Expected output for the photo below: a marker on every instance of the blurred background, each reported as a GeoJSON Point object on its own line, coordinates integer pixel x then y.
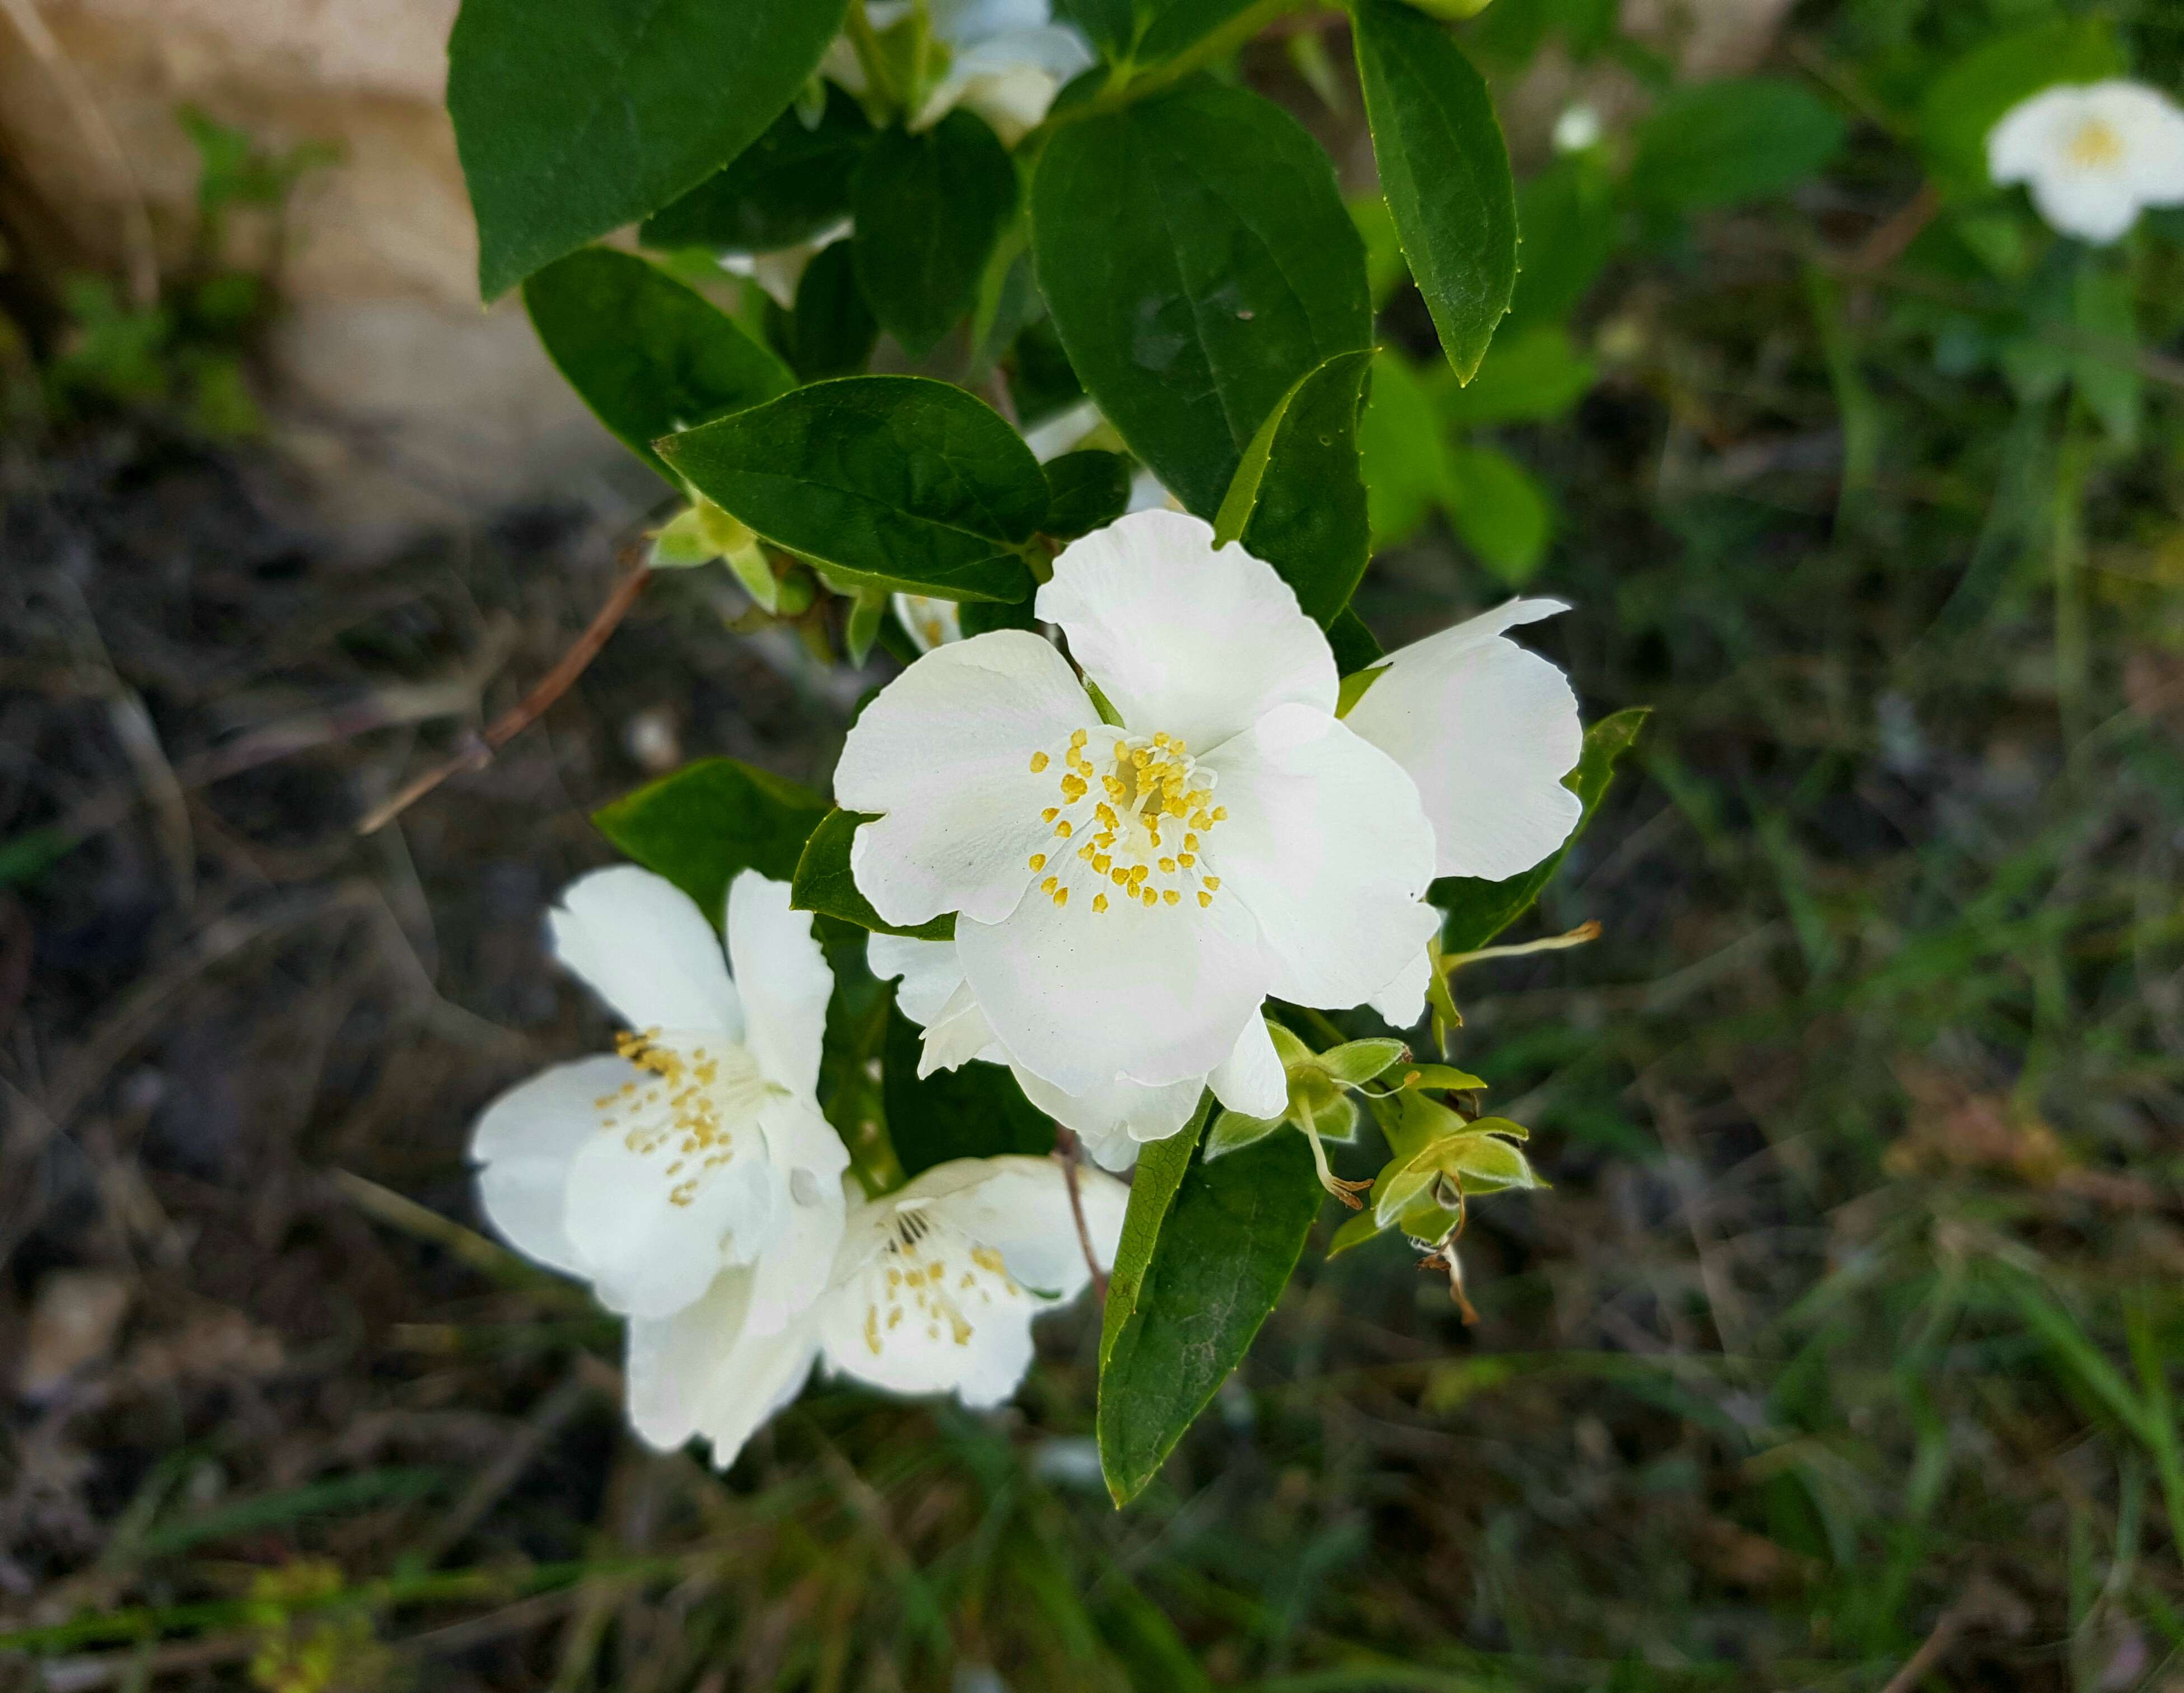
{"type": "Point", "coordinates": [1841, 1354]}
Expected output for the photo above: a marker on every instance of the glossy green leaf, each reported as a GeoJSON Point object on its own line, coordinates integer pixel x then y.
{"type": "Point", "coordinates": [1385, 270]}
{"type": "Point", "coordinates": [647, 354]}
{"type": "Point", "coordinates": [1198, 262]}
{"type": "Point", "coordinates": [1478, 911]}
{"type": "Point", "coordinates": [1966, 100]}
{"type": "Point", "coordinates": [574, 119]}
{"type": "Point", "coordinates": [832, 331]}
{"type": "Point", "coordinates": [1724, 143]}
{"type": "Point", "coordinates": [883, 482]}
{"type": "Point", "coordinates": [1354, 646]}
{"type": "Point", "coordinates": [975, 1111]}
{"type": "Point", "coordinates": [1401, 451]}
{"type": "Point", "coordinates": [1526, 378]}
{"type": "Point", "coordinates": [1085, 491]}
{"type": "Point", "coordinates": [1162, 1165]}
{"type": "Point", "coordinates": [1444, 1076]}
{"type": "Point", "coordinates": [1499, 512]}
{"type": "Point", "coordinates": [790, 185]}
{"type": "Point", "coordinates": [822, 882]}
{"type": "Point", "coordinates": [1568, 228]}
{"type": "Point", "coordinates": [1233, 1131]}
{"type": "Point", "coordinates": [1298, 498]}
{"type": "Point", "coordinates": [1444, 171]}
{"type": "Point", "coordinates": [1111, 26]}
{"type": "Point", "coordinates": [1359, 1060]}
{"type": "Point", "coordinates": [1223, 1254]}
{"type": "Point", "coordinates": [1171, 27]}
{"type": "Point", "coordinates": [929, 208]}
{"type": "Point", "coordinates": [711, 819]}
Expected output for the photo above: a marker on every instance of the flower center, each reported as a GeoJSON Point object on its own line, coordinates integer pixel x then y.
{"type": "Point", "coordinates": [916, 1282]}
{"type": "Point", "coordinates": [1131, 824]}
{"type": "Point", "coordinates": [678, 1113]}
{"type": "Point", "coordinates": [2095, 145]}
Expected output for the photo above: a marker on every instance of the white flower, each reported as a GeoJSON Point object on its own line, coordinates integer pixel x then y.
{"type": "Point", "coordinates": [699, 1145]}
{"type": "Point", "coordinates": [932, 1290]}
{"type": "Point", "coordinates": [1578, 128]}
{"type": "Point", "coordinates": [2093, 154]}
{"type": "Point", "coordinates": [928, 621]}
{"type": "Point", "coordinates": [1004, 60]}
{"type": "Point", "coordinates": [1126, 896]}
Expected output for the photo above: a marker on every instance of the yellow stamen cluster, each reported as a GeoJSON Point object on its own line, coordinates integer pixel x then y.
{"type": "Point", "coordinates": [917, 1283]}
{"type": "Point", "coordinates": [677, 1113]}
{"type": "Point", "coordinates": [1138, 821]}
{"type": "Point", "coordinates": [2096, 144]}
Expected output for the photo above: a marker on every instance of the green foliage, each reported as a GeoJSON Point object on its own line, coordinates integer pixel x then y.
{"type": "Point", "coordinates": [1965, 101]}
{"type": "Point", "coordinates": [1568, 227]}
{"type": "Point", "coordinates": [1198, 262]}
{"type": "Point", "coordinates": [1528, 377]}
{"type": "Point", "coordinates": [1298, 498]}
{"type": "Point", "coordinates": [887, 481]}
{"type": "Point", "coordinates": [710, 820]}
{"type": "Point", "coordinates": [823, 883]}
{"type": "Point", "coordinates": [1725, 144]}
{"type": "Point", "coordinates": [929, 208]}
{"type": "Point", "coordinates": [1444, 171]}
{"type": "Point", "coordinates": [1501, 513]}
{"type": "Point", "coordinates": [1404, 456]}
{"type": "Point", "coordinates": [647, 354]}
{"type": "Point", "coordinates": [1085, 491]}
{"type": "Point", "coordinates": [975, 1111]}
{"type": "Point", "coordinates": [577, 118]}
{"type": "Point", "coordinates": [790, 185]}
{"type": "Point", "coordinates": [833, 330]}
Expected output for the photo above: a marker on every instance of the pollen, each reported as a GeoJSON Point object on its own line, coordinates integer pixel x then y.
{"type": "Point", "coordinates": [1061, 828]}
{"type": "Point", "coordinates": [1099, 902]}
{"type": "Point", "coordinates": [1048, 885]}
{"type": "Point", "coordinates": [1048, 814]}
{"type": "Point", "coordinates": [1116, 803]}
{"type": "Point", "coordinates": [1212, 882]}
{"type": "Point", "coordinates": [1040, 762]}
{"type": "Point", "coordinates": [1061, 896]}
{"type": "Point", "coordinates": [1205, 899]}
{"type": "Point", "coordinates": [1170, 895]}
{"type": "Point", "coordinates": [1167, 867]}
{"type": "Point", "coordinates": [1039, 860]}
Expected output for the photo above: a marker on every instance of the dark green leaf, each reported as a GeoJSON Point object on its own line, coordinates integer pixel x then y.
{"type": "Point", "coordinates": [1159, 1172]}
{"type": "Point", "coordinates": [708, 820]}
{"type": "Point", "coordinates": [1965, 101]}
{"type": "Point", "coordinates": [646, 353]}
{"type": "Point", "coordinates": [832, 331]}
{"type": "Point", "coordinates": [929, 208]}
{"type": "Point", "coordinates": [1724, 143]}
{"type": "Point", "coordinates": [1354, 646]}
{"type": "Point", "coordinates": [1499, 512]}
{"type": "Point", "coordinates": [1111, 26]}
{"type": "Point", "coordinates": [1401, 450]}
{"type": "Point", "coordinates": [1567, 231]}
{"type": "Point", "coordinates": [1539, 374]}
{"type": "Point", "coordinates": [1198, 261]}
{"type": "Point", "coordinates": [1477, 911]}
{"type": "Point", "coordinates": [822, 882]}
{"type": "Point", "coordinates": [885, 481]}
{"type": "Point", "coordinates": [1086, 491]}
{"type": "Point", "coordinates": [1444, 171]}
{"type": "Point", "coordinates": [577, 118]}
{"type": "Point", "coordinates": [1384, 269]}
{"type": "Point", "coordinates": [788, 186]}
{"type": "Point", "coordinates": [1223, 1254]}
{"type": "Point", "coordinates": [1040, 379]}
{"type": "Point", "coordinates": [1298, 500]}
{"type": "Point", "coordinates": [975, 1111]}
{"type": "Point", "coordinates": [1172, 25]}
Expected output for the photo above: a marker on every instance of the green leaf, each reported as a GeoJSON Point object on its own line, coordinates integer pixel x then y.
{"type": "Point", "coordinates": [1172, 25]}
{"type": "Point", "coordinates": [975, 1111]}
{"type": "Point", "coordinates": [1966, 100]}
{"type": "Point", "coordinates": [1111, 26]}
{"type": "Point", "coordinates": [1476, 911]}
{"type": "Point", "coordinates": [2105, 311]}
{"type": "Point", "coordinates": [1162, 1165]}
{"type": "Point", "coordinates": [929, 208]}
{"type": "Point", "coordinates": [1359, 1060]}
{"type": "Point", "coordinates": [1298, 499]}
{"type": "Point", "coordinates": [1499, 512]}
{"type": "Point", "coordinates": [1085, 491]}
{"type": "Point", "coordinates": [1385, 270]}
{"type": "Point", "coordinates": [788, 186]}
{"type": "Point", "coordinates": [1354, 646]}
{"type": "Point", "coordinates": [1223, 1254]}
{"type": "Point", "coordinates": [1724, 143]}
{"type": "Point", "coordinates": [574, 119]}
{"type": "Point", "coordinates": [1444, 168]}
{"type": "Point", "coordinates": [1526, 378]}
{"type": "Point", "coordinates": [1567, 229]}
{"type": "Point", "coordinates": [883, 482]}
{"type": "Point", "coordinates": [1197, 260]}
{"type": "Point", "coordinates": [1233, 1131]}
{"type": "Point", "coordinates": [823, 883]}
{"type": "Point", "coordinates": [1402, 451]}
{"type": "Point", "coordinates": [1444, 1076]}
{"type": "Point", "coordinates": [711, 819]}
{"type": "Point", "coordinates": [832, 331]}
{"type": "Point", "coordinates": [647, 354]}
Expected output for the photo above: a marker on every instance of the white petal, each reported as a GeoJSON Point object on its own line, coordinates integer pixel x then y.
{"type": "Point", "coordinates": [1124, 1109]}
{"type": "Point", "coordinates": [959, 1034]}
{"type": "Point", "coordinates": [525, 1142]}
{"type": "Point", "coordinates": [1251, 1079]}
{"type": "Point", "coordinates": [702, 1370]}
{"type": "Point", "coordinates": [2152, 127]}
{"type": "Point", "coordinates": [1114, 1153]}
{"type": "Point", "coordinates": [1181, 637]}
{"type": "Point", "coordinates": [1488, 737]}
{"type": "Point", "coordinates": [1325, 844]}
{"type": "Point", "coordinates": [928, 621]}
{"type": "Point", "coordinates": [930, 970]}
{"type": "Point", "coordinates": [944, 753]}
{"type": "Point", "coordinates": [1081, 997]}
{"type": "Point", "coordinates": [2030, 135]}
{"type": "Point", "coordinates": [1020, 1207]}
{"type": "Point", "coordinates": [1436, 653]}
{"type": "Point", "coordinates": [643, 946]}
{"type": "Point", "coordinates": [808, 1158]}
{"type": "Point", "coordinates": [784, 980]}
{"type": "Point", "coordinates": [2095, 206]}
{"type": "Point", "coordinates": [1402, 1002]}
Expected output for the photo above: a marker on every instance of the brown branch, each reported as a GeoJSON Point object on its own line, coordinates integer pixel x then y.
{"type": "Point", "coordinates": [1890, 239]}
{"type": "Point", "coordinates": [477, 753]}
{"type": "Point", "coordinates": [1065, 1147]}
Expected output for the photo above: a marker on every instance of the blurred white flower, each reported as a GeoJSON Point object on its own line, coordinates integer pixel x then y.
{"type": "Point", "coordinates": [699, 1145]}
{"type": "Point", "coordinates": [1127, 895]}
{"type": "Point", "coordinates": [2093, 155]}
{"type": "Point", "coordinates": [1578, 128]}
{"type": "Point", "coordinates": [1004, 60]}
{"type": "Point", "coordinates": [932, 1290]}
{"type": "Point", "coordinates": [929, 622]}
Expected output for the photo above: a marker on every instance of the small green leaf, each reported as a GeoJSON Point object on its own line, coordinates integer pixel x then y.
{"type": "Point", "coordinates": [1478, 911]}
{"type": "Point", "coordinates": [976, 1111]}
{"type": "Point", "coordinates": [1526, 378]}
{"type": "Point", "coordinates": [1355, 648]}
{"type": "Point", "coordinates": [1499, 512]}
{"type": "Point", "coordinates": [574, 119]}
{"type": "Point", "coordinates": [1195, 253]}
{"type": "Point", "coordinates": [929, 208]}
{"type": "Point", "coordinates": [790, 185]}
{"type": "Point", "coordinates": [1085, 491]}
{"type": "Point", "coordinates": [1232, 1130]}
{"type": "Point", "coordinates": [832, 331]}
{"type": "Point", "coordinates": [1359, 1060]}
{"type": "Point", "coordinates": [822, 882]}
{"type": "Point", "coordinates": [884, 481]}
{"type": "Point", "coordinates": [1162, 1165]}
{"type": "Point", "coordinates": [1479, 1158]}
{"type": "Point", "coordinates": [1401, 449]}
{"type": "Point", "coordinates": [1724, 143]}
{"type": "Point", "coordinates": [1355, 686]}
{"type": "Point", "coordinates": [1969, 97]}
{"type": "Point", "coordinates": [1361, 1228]}
{"type": "Point", "coordinates": [866, 613]}
{"type": "Point", "coordinates": [1443, 1077]}
{"type": "Point", "coordinates": [1445, 171]}
{"type": "Point", "coordinates": [1220, 1258]}
{"type": "Point", "coordinates": [647, 354]}
{"type": "Point", "coordinates": [1298, 500]}
{"type": "Point", "coordinates": [711, 819]}
{"type": "Point", "coordinates": [1567, 229]}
